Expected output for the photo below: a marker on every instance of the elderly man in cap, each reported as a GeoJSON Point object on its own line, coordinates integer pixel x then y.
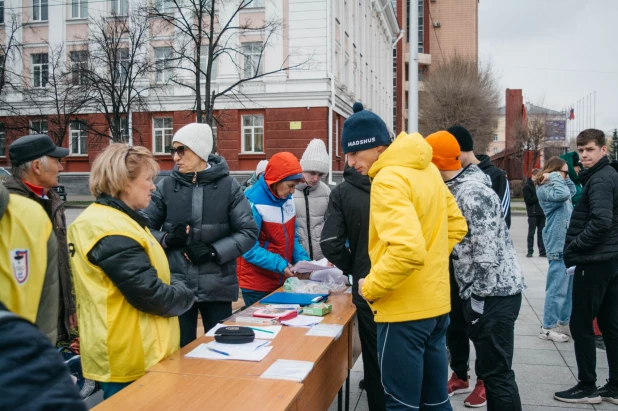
{"type": "Point", "coordinates": [36, 164]}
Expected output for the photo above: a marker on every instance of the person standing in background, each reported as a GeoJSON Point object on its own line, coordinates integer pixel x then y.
{"type": "Point", "coordinates": [536, 217]}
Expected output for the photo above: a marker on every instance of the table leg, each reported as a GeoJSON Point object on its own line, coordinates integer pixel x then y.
{"type": "Point", "coordinates": [347, 392]}
{"type": "Point", "coordinates": [340, 399]}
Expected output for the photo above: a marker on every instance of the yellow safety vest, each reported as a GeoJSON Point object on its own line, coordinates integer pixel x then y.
{"type": "Point", "coordinates": [117, 342]}
{"type": "Point", "coordinates": [24, 231]}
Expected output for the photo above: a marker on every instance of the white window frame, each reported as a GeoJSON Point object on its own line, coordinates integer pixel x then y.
{"type": "Point", "coordinates": [163, 63]}
{"type": "Point", "coordinates": [78, 66]}
{"type": "Point", "coordinates": [162, 130]}
{"type": "Point", "coordinates": [79, 9]}
{"type": "Point", "coordinates": [119, 7]}
{"type": "Point", "coordinates": [254, 4]}
{"type": "Point", "coordinates": [39, 71]}
{"type": "Point", "coordinates": [251, 128]}
{"type": "Point", "coordinates": [38, 128]}
{"type": "Point", "coordinates": [2, 141]}
{"type": "Point", "coordinates": [252, 53]}
{"type": "Point", "coordinates": [165, 6]}
{"type": "Point", "coordinates": [40, 10]}
{"type": "Point", "coordinates": [203, 65]}
{"type": "Point", "coordinates": [496, 138]}
{"type": "Point", "coordinates": [122, 64]}
{"type": "Point", "coordinates": [79, 133]}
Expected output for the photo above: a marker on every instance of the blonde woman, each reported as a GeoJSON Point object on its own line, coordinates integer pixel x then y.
{"type": "Point", "coordinates": [127, 308]}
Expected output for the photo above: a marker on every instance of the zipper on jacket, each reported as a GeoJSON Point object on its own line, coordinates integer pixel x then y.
{"type": "Point", "coordinates": [194, 181]}
{"type": "Point", "coordinates": [285, 233]}
{"type": "Point", "coordinates": [306, 192]}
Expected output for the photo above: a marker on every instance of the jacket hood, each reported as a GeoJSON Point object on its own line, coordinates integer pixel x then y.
{"type": "Point", "coordinates": [260, 188]}
{"type": "Point", "coordinates": [571, 159]}
{"type": "Point", "coordinates": [217, 170]}
{"type": "Point", "coordinates": [281, 166]}
{"type": "Point", "coordinates": [408, 150]}
{"type": "Point", "coordinates": [17, 186]}
{"type": "Point", "coordinates": [485, 161]}
{"type": "Point", "coordinates": [472, 173]}
{"type": "Point", "coordinates": [587, 173]}
{"type": "Point", "coordinates": [350, 175]}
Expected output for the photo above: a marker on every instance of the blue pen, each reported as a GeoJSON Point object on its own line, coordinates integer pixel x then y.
{"type": "Point", "coordinates": [219, 352]}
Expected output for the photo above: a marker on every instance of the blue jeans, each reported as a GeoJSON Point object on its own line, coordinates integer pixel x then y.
{"type": "Point", "coordinates": [111, 388]}
{"type": "Point", "coordinates": [251, 297]}
{"type": "Point", "coordinates": [414, 364]}
{"type": "Point", "coordinates": [558, 291]}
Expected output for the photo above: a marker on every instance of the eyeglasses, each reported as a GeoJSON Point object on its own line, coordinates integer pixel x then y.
{"type": "Point", "coordinates": [565, 173]}
{"type": "Point", "coordinates": [180, 150]}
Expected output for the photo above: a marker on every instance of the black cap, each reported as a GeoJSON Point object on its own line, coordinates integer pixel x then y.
{"type": "Point", "coordinates": [463, 138]}
{"type": "Point", "coordinates": [28, 148]}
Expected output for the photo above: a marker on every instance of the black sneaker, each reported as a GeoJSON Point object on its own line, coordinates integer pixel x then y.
{"type": "Point", "coordinates": [609, 393]}
{"type": "Point", "coordinates": [361, 384]}
{"type": "Point", "coordinates": [542, 255]}
{"type": "Point", "coordinates": [580, 394]}
{"type": "Point", "coordinates": [599, 342]}
{"type": "Point", "coordinates": [529, 255]}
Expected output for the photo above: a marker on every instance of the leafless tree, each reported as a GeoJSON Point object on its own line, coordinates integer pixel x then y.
{"type": "Point", "coordinates": [530, 136]}
{"type": "Point", "coordinates": [10, 51]}
{"type": "Point", "coordinates": [58, 103]}
{"type": "Point", "coordinates": [208, 32]}
{"type": "Point", "coordinates": [117, 72]}
{"type": "Point", "coordinates": [459, 91]}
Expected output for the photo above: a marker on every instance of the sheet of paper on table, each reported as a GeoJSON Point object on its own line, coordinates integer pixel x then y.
{"type": "Point", "coordinates": [326, 330]}
{"type": "Point", "coordinates": [258, 330]}
{"type": "Point", "coordinates": [288, 370]}
{"type": "Point", "coordinates": [303, 321]}
{"type": "Point", "coordinates": [253, 351]}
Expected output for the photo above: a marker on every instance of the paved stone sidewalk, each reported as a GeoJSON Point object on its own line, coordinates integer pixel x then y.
{"type": "Point", "coordinates": [541, 367]}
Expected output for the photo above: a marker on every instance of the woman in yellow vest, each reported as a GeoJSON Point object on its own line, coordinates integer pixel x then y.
{"type": "Point", "coordinates": [127, 308]}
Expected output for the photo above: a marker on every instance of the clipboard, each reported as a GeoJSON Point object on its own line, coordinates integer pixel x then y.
{"type": "Point", "coordinates": [293, 298]}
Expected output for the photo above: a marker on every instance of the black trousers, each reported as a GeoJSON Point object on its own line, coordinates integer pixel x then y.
{"type": "Point", "coordinates": [493, 335]}
{"type": "Point", "coordinates": [457, 336]}
{"type": "Point", "coordinates": [212, 313]}
{"type": "Point", "coordinates": [536, 223]}
{"type": "Point", "coordinates": [368, 332]}
{"type": "Point", "coordinates": [595, 294]}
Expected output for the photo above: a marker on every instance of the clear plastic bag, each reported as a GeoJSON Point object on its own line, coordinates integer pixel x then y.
{"type": "Point", "coordinates": [294, 285]}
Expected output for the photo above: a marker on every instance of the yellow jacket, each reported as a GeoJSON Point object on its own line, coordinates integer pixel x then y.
{"type": "Point", "coordinates": [28, 262]}
{"type": "Point", "coordinates": [118, 342]}
{"type": "Point", "coordinates": [413, 226]}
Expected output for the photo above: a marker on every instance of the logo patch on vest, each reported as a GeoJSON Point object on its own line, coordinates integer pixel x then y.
{"type": "Point", "coordinates": [20, 262]}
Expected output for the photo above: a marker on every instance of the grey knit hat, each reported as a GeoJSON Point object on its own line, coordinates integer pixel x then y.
{"type": "Point", "coordinates": [315, 157]}
{"type": "Point", "coordinates": [196, 136]}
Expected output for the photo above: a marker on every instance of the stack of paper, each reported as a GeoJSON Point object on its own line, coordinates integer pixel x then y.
{"type": "Point", "coordinates": [326, 330]}
{"type": "Point", "coordinates": [303, 321]}
{"type": "Point", "coordinates": [288, 370]}
{"type": "Point", "coordinates": [261, 332]}
{"type": "Point", "coordinates": [253, 351]}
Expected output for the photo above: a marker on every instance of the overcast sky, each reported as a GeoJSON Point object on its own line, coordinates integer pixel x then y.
{"type": "Point", "coordinates": [558, 51]}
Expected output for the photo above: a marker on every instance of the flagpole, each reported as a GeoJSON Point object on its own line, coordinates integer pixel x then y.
{"type": "Point", "coordinates": [595, 109]}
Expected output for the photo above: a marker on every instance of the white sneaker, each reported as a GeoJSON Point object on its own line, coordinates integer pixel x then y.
{"type": "Point", "coordinates": [564, 329]}
{"type": "Point", "coordinates": [553, 335]}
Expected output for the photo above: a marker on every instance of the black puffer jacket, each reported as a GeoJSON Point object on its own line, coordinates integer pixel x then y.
{"type": "Point", "coordinates": [347, 219]}
{"type": "Point", "coordinates": [499, 184]}
{"type": "Point", "coordinates": [126, 263]}
{"type": "Point", "coordinates": [533, 208]}
{"type": "Point", "coordinates": [33, 376]}
{"type": "Point", "coordinates": [219, 215]}
{"type": "Point", "coordinates": [593, 231]}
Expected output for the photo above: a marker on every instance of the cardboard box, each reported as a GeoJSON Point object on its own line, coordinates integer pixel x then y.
{"type": "Point", "coordinates": [319, 309]}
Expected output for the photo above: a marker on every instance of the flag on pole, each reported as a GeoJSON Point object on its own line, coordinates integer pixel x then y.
{"type": "Point", "coordinates": [572, 114]}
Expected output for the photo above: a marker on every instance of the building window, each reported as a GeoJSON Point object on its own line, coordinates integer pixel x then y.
{"type": "Point", "coordinates": [79, 137]}
{"type": "Point", "coordinates": [496, 150]}
{"type": "Point", "coordinates": [163, 130]}
{"type": "Point", "coordinates": [40, 70]}
{"type": "Point", "coordinates": [204, 64]}
{"type": "Point", "coordinates": [421, 26]}
{"type": "Point", "coordinates": [1, 14]}
{"type": "Point", "coordinates": [118, 7]}
{"type": "Point", "coordinates": [253, 55]}
{"type": "Point", "coordinates": [254, 4]}
{"type": "Point", "coordinates": [79, 9]}
{"type": "Point", "coordinates": [163, 64]}
{"type": "Point", "coordinates": [38, 127]}
{"type": "Point", "coordinates": [124, 131]}
{"type": "Point", "coordinates": [122, 66]}
{"type": "Point", "coordinates": [2, 141]}
{"type": "Point", "coordinates": [165, 6]}
{"type": "Point", "coordinates": [79, 65]}
{"type": "Point", "coordinates": [496, 137]}
{"type": "Point", "coordinates": [39, 10]}
{"type": "Point", "coordinates": [253, 133]}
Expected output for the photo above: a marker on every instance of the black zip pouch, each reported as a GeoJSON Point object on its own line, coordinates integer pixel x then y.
{"type": "Point", "coordinates": [234, 335]}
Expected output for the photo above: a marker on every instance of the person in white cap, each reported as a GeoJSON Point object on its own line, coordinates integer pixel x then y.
{"type": "Point", "coordinates": [259, 170]}
{"type": "Point", "coordinates": [311, 198]}
{"type": "Point", "coordinates": [201, 194]}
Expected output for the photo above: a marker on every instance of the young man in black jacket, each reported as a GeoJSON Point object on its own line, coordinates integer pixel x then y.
{"type": "Point", "coordinates": [347, 219]}
{"type": "Point", "coordinates": [536, 216]}
{"type": "Point", "coordinates": [592, 247]}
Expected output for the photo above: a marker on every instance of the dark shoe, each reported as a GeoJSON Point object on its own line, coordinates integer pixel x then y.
{"type": "Point", "coordinates": [598, 341]}
{"type": "Point", "coordinates": [361, 384]}
{"type": "Point", "coordinates": [580, 394]}
{"type": "Point", "coordinates": [609, 393]}
{"type": "Point", "coordinates": [542, 255]}
{"type": "Point", "coordinates": [529, 255]}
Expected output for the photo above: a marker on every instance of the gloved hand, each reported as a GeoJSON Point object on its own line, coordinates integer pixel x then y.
{"type": "Point", "coordinates": [199, 253]}
{"type": "Point", "coordinates": [177, 237]}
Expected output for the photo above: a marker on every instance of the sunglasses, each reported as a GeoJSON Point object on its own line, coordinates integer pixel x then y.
{"type": "Point", "coordinates": [180, 150]}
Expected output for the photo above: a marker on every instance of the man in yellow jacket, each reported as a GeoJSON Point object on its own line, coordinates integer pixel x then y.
{"type": "Point", "coordinates": [414, 225]}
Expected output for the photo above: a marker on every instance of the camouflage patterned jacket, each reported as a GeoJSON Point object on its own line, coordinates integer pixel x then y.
{"type": "Point", "coordinates": [485, 261]}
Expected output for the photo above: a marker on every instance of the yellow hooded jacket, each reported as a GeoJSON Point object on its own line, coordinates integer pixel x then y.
{"type": "Point", "coordinates": [413, 226]}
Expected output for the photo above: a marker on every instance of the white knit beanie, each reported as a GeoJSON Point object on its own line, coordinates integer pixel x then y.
{"type": "Point", "coordinates": [196, 136]}
{"type": "Point", "coordinates": [315, 157]}
{"type": "Point", "coordinates": [261, 167]}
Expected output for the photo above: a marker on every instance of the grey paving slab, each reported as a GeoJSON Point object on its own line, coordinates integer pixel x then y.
{"type": "Point", "coordinates": [538, 357]}
{"type": "Point", "coordinates": [556, 408]}
{"type": "Point", "coordinates": [533, 342]}
{"type": "Point", "coordinates": [527, 329]}
{"type": "Point", "coordinates": [569, 357]}
{"type": "Point", "coordinates": [544, 374]}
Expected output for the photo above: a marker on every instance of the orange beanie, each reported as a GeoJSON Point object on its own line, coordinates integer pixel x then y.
{"type": "Point", "coordinates": [446, 151]}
